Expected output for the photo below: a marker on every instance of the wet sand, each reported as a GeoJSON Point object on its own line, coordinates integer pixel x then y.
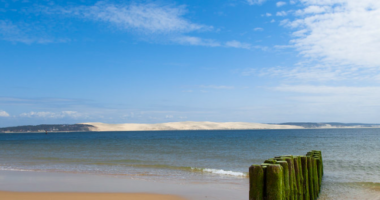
{"type": "Point", "coordinates": [49, 183]}
{"type": "Point", "coordinates": [83, 196]}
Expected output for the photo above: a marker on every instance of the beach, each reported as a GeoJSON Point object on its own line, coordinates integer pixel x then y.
{"type": "Point", "coordinates": [42, 184]}
{"type": "Point", "coordinates": [83, 196]}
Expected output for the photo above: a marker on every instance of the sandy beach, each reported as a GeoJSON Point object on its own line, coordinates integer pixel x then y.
{"type": "Point", "coordinates": [18, 185]}
{"type": "Point", "coordinates": [83, 196]}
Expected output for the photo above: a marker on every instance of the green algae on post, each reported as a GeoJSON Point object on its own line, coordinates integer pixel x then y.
{"type": "Point", "coordinates": [270, 161]}
{"type": "Point", "coordinates": [319, 167]}
{"type": "Point", "coordinates": [311, 181]}
{"type": "Point", "coordinates": [256, 182]}
{"type": "Point", "coordinates": [285, 170]}
{"type": "Point", "coordinates": [298, 174]}
{"type": "Point", "coordinates": [274, 182]}
{"type": "Point", "coordinates": [292, 188]}
{"type": "Point", "coordinates": [316, 182]}
{"type": "Point", "coordinates": [305, 181]}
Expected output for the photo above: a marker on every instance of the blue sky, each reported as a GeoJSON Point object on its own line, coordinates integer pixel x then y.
{"type": "Point", "coordinates": [163, 61]}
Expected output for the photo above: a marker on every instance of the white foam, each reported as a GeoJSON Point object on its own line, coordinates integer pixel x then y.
{"type": "Point", "coordinates": [3, 168]}
{"type": "Point", "coordinates": [222, 172]}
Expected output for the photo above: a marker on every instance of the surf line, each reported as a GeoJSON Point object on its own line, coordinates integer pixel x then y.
{"type": "Point", "coordinates": [287, 178]}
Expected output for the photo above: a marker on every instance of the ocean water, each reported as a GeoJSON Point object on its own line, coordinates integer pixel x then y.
{"type": "Point", "coordinates": [351, 156]}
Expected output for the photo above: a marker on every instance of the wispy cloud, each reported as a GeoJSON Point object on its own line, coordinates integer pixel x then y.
{"type": "Point", "coordinates": [197, 41]}
{"type": "Point", "coordinates": [218, 87]}
{"type": "Point", "coordinates": [237, 44]}
{"type": "Point", "coordinates": [334, 102]}
{"type": "Point", "coordinates": [335, 90]}
{"type": "Point", "coordinates": [339, 31]}
{"type": "Point", "coordinates": [258, 29]}
{"type": "Point", "coordinates": [306, 72]}
{"type": "Point", "coordinates": [38, 101]}
{"type": "Point", "coordinates": [24, 33]}
{"type": "Point", "coordinates": [165, 22]}
{"type": "Point", "coordinates": [4, 114]}
{"type": "Point", "coordinates": [53, 115]}
{"type": "Point", "coordinates": [255, 2]}
{"type": "Point", "coordinates": [145, 18]}
{"type": "Point", "coordinates": [281, 13]}
{"type": "Point", "coordinates": [280, 3]}
{"type": "Point", "coordinates": [338, 39]}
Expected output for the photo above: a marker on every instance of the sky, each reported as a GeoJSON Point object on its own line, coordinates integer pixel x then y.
{"type": "Point", "coordinates": [261, 61]}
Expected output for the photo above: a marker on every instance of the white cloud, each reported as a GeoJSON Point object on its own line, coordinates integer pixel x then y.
{"type": "Point", "coordinates": [280, 3]}
{"type": "Point", "coordinates": [146, 18]}
{"type": "Point", "coordinates": [283, 46]}
{"type": "Point", "coordinates": [253, 2]}
{"type": "Point", "coordinates": [4, 114]}
{"type": "Point", "coordinates": [268, 14]}
{"type": "Point", "coordinates": [237, 44]}
{"type": "Point", "coordinates": [338, 39]}
{"type": "Point", "coordinates": [313, 10]}
{"type": "Point", "coordinates": [272, 21]}
{"type": "Point", "coordinates": [340, 32]}
{"type": "Point", "coordinates": [258, 29]}
{"type": "Point", "coordinates": [196, 41]}
{"type": "Point", "coordinates": [281, 13]}
{"type": "Point", "coordinates": [63, 114]}
{"type": "Point", "coordinates": [292, 2]}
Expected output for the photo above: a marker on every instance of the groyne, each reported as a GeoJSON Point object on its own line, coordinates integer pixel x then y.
{"type": "Point", "coordinates": [287, 178]}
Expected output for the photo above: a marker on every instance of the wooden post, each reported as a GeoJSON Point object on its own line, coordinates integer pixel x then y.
{"type": "Point", "coordinates": [285, 169]}
{"type": "Point", "coordinates": [311, 181]}
{"type": "Point", "coordinates": [274, 182]}
{"type": "Point", "coordinates": [298, 173]}
{"type": "Point", "coordinates": [256, 182]}
{"type": "Point", "coordinates": [305, 181]}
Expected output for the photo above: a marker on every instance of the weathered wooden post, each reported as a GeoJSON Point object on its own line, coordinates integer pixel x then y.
{"type": "Point", "coordinates": [315, 173]}
{"type": "Point", "coordinates": [256, 182]}
{"type": "Point", "coordinates": [274, 182]}
{"type": "Point", "coordinates": [305, 181]}
{"type": "Point", "coordinates": [311, 177]}
{"type": "Point", "coordinates": [298, 172]}
{"type": "Point", "coordinates": [289, 160]}
{"type": "Point", "coordinates": [285, 170]}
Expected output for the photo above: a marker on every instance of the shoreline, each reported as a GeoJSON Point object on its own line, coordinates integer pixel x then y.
{"type": "Point", "coordinates": [57, 182]}
{"type": "Point", "coordinates": [6, 195]}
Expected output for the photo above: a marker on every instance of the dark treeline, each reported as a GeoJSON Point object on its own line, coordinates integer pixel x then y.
{"type": "Point", "coordinates": [47, 127]}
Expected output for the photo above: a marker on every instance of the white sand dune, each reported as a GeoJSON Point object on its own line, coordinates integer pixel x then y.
{"type": "Point", "coordinates": [186, 126]}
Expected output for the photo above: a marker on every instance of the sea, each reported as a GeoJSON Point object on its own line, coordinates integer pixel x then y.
{"type": "Point", "coordinates": [351, 156]}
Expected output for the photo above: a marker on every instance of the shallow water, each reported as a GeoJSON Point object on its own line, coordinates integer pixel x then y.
{"type": "Point", "coordinates": [351, 156]}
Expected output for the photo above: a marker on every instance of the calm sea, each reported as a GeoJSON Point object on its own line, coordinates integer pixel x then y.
{"type": "Point", "coordinates": [351, 156]}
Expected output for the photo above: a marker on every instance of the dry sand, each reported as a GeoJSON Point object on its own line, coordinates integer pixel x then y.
{"type": "Point", "coordinates": [83, 196]}
{"type": "Point", "coordinates": [187, 126]}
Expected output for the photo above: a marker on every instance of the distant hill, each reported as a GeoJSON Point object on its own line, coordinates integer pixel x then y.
{"type": "Point", "coordinates": [48, 128]}
{"type": "Point", "coordinates": [179, 126]}
{"type": "Point", "coordinates": [331, 125]}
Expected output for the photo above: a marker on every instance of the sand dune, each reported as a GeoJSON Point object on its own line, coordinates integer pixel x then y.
{"type": "Point", "coordinates": [187, 126]}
